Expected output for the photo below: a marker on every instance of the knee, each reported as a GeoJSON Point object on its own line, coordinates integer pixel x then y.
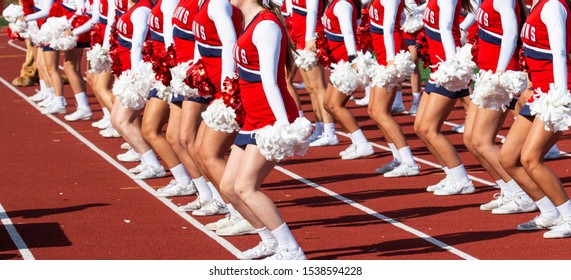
{"type": "Point", "coordinates": [149, 133]}
{"type": "Point", "coordinates": [469, 142]}
{"type": "Point", "coordinates": [227, 190]}
{"type": "Point", "coordinates": [421, 130]}
{"type": "Point", "coordinates": [530, 160]}
{"type": "Point", "coordinates": [507, 160]}
{"type": "Point", "coordinates": [173, 139]}
{"type": "Point", "coordinates": [371, 113]}
{"type": "Point", "coordinates": [242, 191]}
{"type": "Point", "coordinates": [331, 107]}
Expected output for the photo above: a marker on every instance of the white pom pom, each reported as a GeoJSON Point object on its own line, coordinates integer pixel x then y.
{"type": "Point", "coordinates": [390, 76]}
{"type": "Point", "coordinates": [365, 65]}
{"type": "Point", "coordinates": [52, 33]}
{"type": "Point", "coordinates": [553, 108]}
{"type": "Point", "coordinates": [63, 43]}
{"type": "Point", "coordinates": [305, 59]}
{"type": "Point", "coordinates": [12, 13]}
{"type": "Point", "coordinates": [19, 27]}
{"type": "Point", "coordinates": [488, 93]}
{"type": "Point", "coordinates": [455, 73]}
{"type": "Point", "coordinates": [178, 86]}
{"type": "Point", "coordinates": [413, 20]}
{"type": "Point", "coordinates": [344, 77]}
{"type": "Point", "coordinates": [32, 33]}
{"type": "Point", "coordinates": [99, 59]}
{"type": "Point", "coordinates": [281, 140]}
{"type": "Point", "coordinates": [133, 86]}
{"type": "Point", "coordinates": [163, 92]}
{"type": "Point", "coordinates": [220, 118]}
{"type": "Point", "coordinates": [514, 82]}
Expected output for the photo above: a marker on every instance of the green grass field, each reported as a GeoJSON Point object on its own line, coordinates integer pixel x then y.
{"type": "Point", "coordinates": [3, 22]}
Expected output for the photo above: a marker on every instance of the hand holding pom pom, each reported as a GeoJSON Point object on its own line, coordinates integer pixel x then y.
{"type": "Point", "coordinates": [281, 140]}
{"type": "Point", "coordinates": [344, 77]}
{"type": "Point", "coordinates": [455, 73]}
{"type": "Point", "coordinates": [306, 59]}
{"type": "Point", "coordinates": [553, 108]}
{"type": "Point", "coordinates": [178, 84]}
{"type": "Point", "coordinates": [99, 60]}
{"type": "Point", "coordinates": [198, 78]}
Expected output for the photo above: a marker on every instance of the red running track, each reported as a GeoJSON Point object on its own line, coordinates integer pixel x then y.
{"type": "Point", "coordinates": [68, 200]}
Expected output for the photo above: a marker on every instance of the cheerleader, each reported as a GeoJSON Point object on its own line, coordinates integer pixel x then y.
{"type": "Point", "coordinates": [498, 25]}
{"type": "Point", "coordinates": [46, 93]}
{"type": "Point", "coordinates": [262, 53]}
{"type": "Point", "coordinates": [132, 30]}
{"type": "Point", "coordinates": [387, 41]}
{"type": "Point", "coordinates": [305, 25]}
{"type": "Point", "coordinates": [441, 18]}
{"type": "Point", "coordinates": [546, 42]}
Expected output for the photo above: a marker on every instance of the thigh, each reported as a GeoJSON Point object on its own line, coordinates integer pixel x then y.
{"type": "Point", "coordinates": [255, 168]}
{"type": "Point", "coordinates": [471, 113]}
{"type": "Point", "coordinates": [437, 110]}
{"type": "Point", "coordinates": [539, 140]}
{"type": "Point", "coordinates": [156, 114]}
{"type": "Point", "coordinates": [233, 168]}
{"type": "Point", "coordinates": [487, 123]}
{"type": "Point", "coordinates": [190, 117]}
{"type": "Point", "coordinates": [51, 59]}
{"type": "Point", "coordinates": [216, 143]}
{"type": "Point", "coordinates": [516, 137]}
{"type": "Point", "coordinates": [73, 56]}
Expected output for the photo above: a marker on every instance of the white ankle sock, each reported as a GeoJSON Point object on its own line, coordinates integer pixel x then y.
{"type": "Point", "coordinates": [416, 97]}
{"type": "Point", "coordinates": [149, 157]}
{"type": "Point", "coordinates": [459, 174]}
{"type": "Point", "coordinates": [61, 100]}
{"type": "Point", "coordinates": [42, 85]}
{"type": "Point", "coordinates": [319, 128]}
{"type": "Point", "coordinates": [398, 98]}
{"type": "Point", "coordinates": [215, 193]}
{"type": "Point", "coordinates": [547, 208]}
{"type": "Point", "coordinates": [232, 210]}
{"type": "Point", "coordinates": [267, 236]}
{"type": "Point", "coordinates": [565, 210]}
{"type": "Point", "coordinates": [203, 189]}
{"type": "Point", "coordinates": [395, 152]}
{"type": "Point", "coordinates": [300, 113]}
{"type": "Point", "coordinates": [329, 129]}
{"type": "Point", "coordinates": [515, 189]}
{"type": "Point", "coordinates": [284, 237]}
{"type": "Point", "coordinates": [51, 92]}
{"type": "Point", "coordinates": [180, 175]}
{"type": "Point", "coordinates": [406, 155]}
{"type": "Point", "coordinates": [504, 189]}
{"type": "Point", "coordinates": [81, 99]}
{"type": "Point", "coordinates": [357, 137]}
{"type": "Point", "coordinates": [106, 113]}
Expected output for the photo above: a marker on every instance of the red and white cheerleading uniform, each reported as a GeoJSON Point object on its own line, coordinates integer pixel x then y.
{"type": "Point", "coordinates": [132, 28]}
{"type": "Point", "coordinates": [73, 7]}
{"type": "Point", "coordinates": [441, 44]}
{"type": "Point", "coordinates": [545, 51]}
{"type": "Point", "coordinates": [160, 23]}
{"type": "Point", "coordinates": [340, 22]}
{"type": "Point", "coordinates": [304, 21]}
{"type": "Point", "coordinates": [260, 53]}
{"type": "Point", "coordinates": [92, 10]}
{"type": "Point", "coordinates": [121, 7]}
{"type": "Point", "coordinates": [216, 26]}
{"type": "Point", "coordinates": [42, 9]}
{"type": "Point", "coordinates": [410, 38]}
{"type": "Point", "coordinates": [498, 23]}
{"type": "Point", "coordinates": [385, 17]}
{"type": "Point", "coordinates": [467, 23]}
{"type": "Point", "coordinates": [184, 40]}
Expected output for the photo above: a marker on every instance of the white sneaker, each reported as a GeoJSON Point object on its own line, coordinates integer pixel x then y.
{"type": "Point", "coordinates": [125, 146]}
{"type": "Point", "coordinates": [80, 114]}
{"type": "Point", "coordinates": [55, 107]}
{"type": "Point", "coordinates": [359, 150]}
{"type": "Point", "coordinates": [403, 170]}
{"type": "Point", "coordinates": [260, 251]}
{"type": "Point", "coordinates": [286, 255]}
{"type": "Point", "coordinates": [110, 132]}
{"type": "Point", "coordinates": [129, 156]}
{"type": "Point", "coordinates": [349, 148]}
{"type": "Point", "coordinates": [150, 172]}
{"type": "Point", "coordinates": [437, 186]}
{"type": "Point", "coordinates": [413, 109]}
{"type": "Point", "coordinates": [516, 205]}
{"type": "Point", "coordinates": [102, 123]}
{"type": "Point", "coordinates": [325, 140]}
{"type": "Point", "coordinates": [227, 221]}
{"type": "Point", "coordinates": [499, 200]}
{"type": "Point", "coordinates": [398, 108]}
{"type": "Point", "coordinates": [553, 153]}
{"type": "Point", "coordinates": [562, 230]}
{"type": "Point", "coordinates": [458, 128]}
{"type": "Point", "coordinates": [241, 227]}
{"type": "Point", "coordinates": [175, 188]}
{"type": "Point", "coordinates": [39, 96]}
{"type": "Point", "coordinates": [46, 102]}
{"type": "Point", "coordinates": [387, 167]}
{"type": "Point", "coordinates": [194, 205]}
{"type": "Point", "coordinates": [214, 207]}
{"type": "Point", "coordinates": [452, 188]}
{"type": "Point", "coordinates": [363, 101]}
{"type": "Point", "coordinates": [138, 168]}
{"type": "Point", "coordinates": [540, 222]}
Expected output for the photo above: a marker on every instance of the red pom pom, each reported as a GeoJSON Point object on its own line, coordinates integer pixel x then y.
{"type": "Point", "coordinates": [57, 10]}
{"type": "Point", "coordinates": [77, 22]}
{"type": "Point", "coordinates": [147, 51]}
{"type": "Point", "coordinates": [364, 39]}
{"type": "Point", "coordinates": [231, 98]}
{"type": "Point", "coordinates": [95, 35]}
{"type": "Point", "coordinates": [28, 6]}
{"type": "Point", "coordinates": [322, 50]}
{"type": "Point", "coordinates": [116, 68]}
{"type": "Point", "coordinates": [13, 35]}
{"type": "Point", "coordinates": [522, 63]}
{"type": "Point", "coordinates": [198, 78]}
{"type": "Point", "coordinates": [422, 49]}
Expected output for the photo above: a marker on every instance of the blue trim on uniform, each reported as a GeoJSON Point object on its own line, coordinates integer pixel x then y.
{"type": "Point", "coordinates": [119, 13]}
{"type": "Point", "coordinates": [410, 42]}
{"type": "Point", "coordinates": [102, 20]}
{"type": "Point", "coordinates": [248, 76]}
{"type": "Point", "coordinates": [432, 88]}
{"type": "Point", "coordinates": [334, 38]}
{"type": "Point", "coordinates": [199, 99]}
{"type": "Point", "coordinates": [489, 38]}
{"type": "Point", "coordinates": [526, 112]}
{"type": "Point", "coordinates": [177, 32]}
{"type": "Point", "coordinates": [153, 93]}
{"type": "Point", "coordinates": [83, 45]}
{"type": "Point", "coordinates": [242, 140]}
{"type": "Point", "coordinates": [299, 12]}
{"type": "Point", "coordinates": [124, 43]}
{"type": "Point", "coordinates": [527, 52]}
{"type": "Point", "coordinates": [67, 8]}
{"type": "Point", "coordinates": [157, 37]}
{"type": "Point", "coordinates": [433, 35]}
{"type": "Point", "coordinates": [210, 52]}
{"type": "Point", "coordinates": [377, 30]}
{"type": "Point", "coordinates": [36, 9]}
{"type": "Point", "coordinates": [47, 48]}
{"type": "Point", "coordinates": [178, 98]}
{"type": "Point", "coordinates": [513, 103]}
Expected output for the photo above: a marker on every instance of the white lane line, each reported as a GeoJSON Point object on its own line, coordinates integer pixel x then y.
{"type": "Point", "coordinates": [379, 216]}
{"type": "Point", "coordinates": [223, 242]}
{"type": "Point", "coordinates": [16, 238]}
